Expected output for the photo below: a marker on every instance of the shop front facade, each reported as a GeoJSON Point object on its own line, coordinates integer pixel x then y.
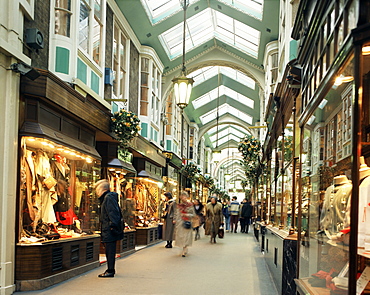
{"type": "Point", "coordinates": [58, 166]}
{"type": "Point", "coordinates": [316, 155]}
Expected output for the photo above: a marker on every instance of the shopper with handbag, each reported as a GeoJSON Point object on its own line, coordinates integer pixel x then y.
{"type": "Point", "coordinates": [112, 224]}
{"type": "Point", "coordinates": [214, 218]}
{"type": "Point", "coordinates": [183, 216]}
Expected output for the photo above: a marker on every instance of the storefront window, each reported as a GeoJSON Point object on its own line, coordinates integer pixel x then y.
{"type": "Point", "coordinates": [326, 186]}
{"type": "Point", "coordinates": [148, 202]}
{"type": "Point", "coordinates": [57, 198]}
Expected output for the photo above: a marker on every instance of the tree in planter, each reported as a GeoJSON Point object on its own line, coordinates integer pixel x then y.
{"type": "Point", "coordinates": [125, 125]}
{"type": "Point", "coordinates": [251, 150]}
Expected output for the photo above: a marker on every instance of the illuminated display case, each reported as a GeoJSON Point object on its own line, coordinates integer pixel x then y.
{"type": "Point", "coordinates": [57, 197]}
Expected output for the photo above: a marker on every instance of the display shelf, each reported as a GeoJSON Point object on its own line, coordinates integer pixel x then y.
{"type": "Point", "coordinates": [305, 288]}
{"type": "Point", "coordinates": [338, 245]}
{"type": "Point", "coordinates": [363, 253]}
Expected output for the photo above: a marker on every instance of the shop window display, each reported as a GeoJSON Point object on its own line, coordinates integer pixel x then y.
{"type": "Point", "coordinates": [124, 188]}
{"type": "Point", "coordinates": [56, 187]}
{"type": "Point", "coordinates": [326, 188]}
{"type": "Point", "coordinates": [147, 197]}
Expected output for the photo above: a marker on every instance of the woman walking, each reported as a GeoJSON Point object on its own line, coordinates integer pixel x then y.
{"type": "Point", "coordinates": [169, 215]}
{"type": "Point", "coordinates": [184, 214]}
{"type": "Point", "coordinates": [214, 218]}
{"type": "Point", "coordinates": [198, 218]}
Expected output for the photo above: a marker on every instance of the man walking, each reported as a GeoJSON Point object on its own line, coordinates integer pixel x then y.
{"type": "Point", "coordinates": [245, 215]}
{"type": "Point", "coordinates": [234, 214]}
{"type": "Point", "coordinates": [112, 225]}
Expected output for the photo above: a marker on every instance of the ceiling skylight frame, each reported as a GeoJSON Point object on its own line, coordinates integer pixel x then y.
{"type": "Point", "coordinates": [206, 73]}
{"type": "Point", "coordinates": [211, 24]}
{"type": "Point", "coordinates": [223, 90]}
{"type": "Point", "coordinates": [226, 109]}
{"type": "Point", "coordinates": [213, 130]}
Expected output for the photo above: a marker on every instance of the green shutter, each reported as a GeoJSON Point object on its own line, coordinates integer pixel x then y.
{"type": "Point", "coordinates": [95, 82]}
{"type": "Point", "coordinates": [144, 129]}
{"type": "Point", "coordinates": [62, 60]}
{"type": "Point", "coordinates": [81, 71]}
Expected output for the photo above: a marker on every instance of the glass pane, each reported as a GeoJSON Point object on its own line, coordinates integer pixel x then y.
{"type": "Point", "coordinates": [62, 23]}
{"type": "Point", "coordinates": [97, 9]}
{"type": "Point", "coordinates": [96, 40]}
{"type": "Point", "coordinates": [326, 186]}
{"type": "Point", "coordinates": [58, 200]}
{"type": "Point", "coordinates": [122, 52]}
{"type": "Point", "coordinates": [84, 26]}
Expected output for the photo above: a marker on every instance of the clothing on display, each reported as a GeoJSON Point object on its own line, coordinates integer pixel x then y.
{"type": "Point", "coordinates": [56, 192]}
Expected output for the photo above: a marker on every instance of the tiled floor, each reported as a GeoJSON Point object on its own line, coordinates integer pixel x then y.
{"type": "Point", "coordinates": [232, 266]}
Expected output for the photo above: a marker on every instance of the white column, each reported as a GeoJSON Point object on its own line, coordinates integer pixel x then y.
{"type": "Point", "coordinates": [9, 110]}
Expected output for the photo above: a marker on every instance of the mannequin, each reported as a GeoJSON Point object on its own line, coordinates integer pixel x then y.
{"type": "Point", "coordinates": [364, 209]}
{"type": "Point", "coordinates": [335, 202]}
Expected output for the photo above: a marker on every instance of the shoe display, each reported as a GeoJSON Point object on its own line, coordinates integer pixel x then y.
{"type": "Point", "coordinates": [106, 275]}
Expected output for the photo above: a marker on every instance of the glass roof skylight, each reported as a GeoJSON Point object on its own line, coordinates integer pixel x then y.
{"type": "Point", "coordinates": [223, 90]}
{"type": "Point", "coordinates": [209, 24]}
{"type": "Point", "coordinates": [206, 73]}
{"type": "Point", "coordinates": [226, 109]}
{"type": "Point", "coordinates": [251, 7]}
{"type": "Point", "coordinates": [158, 10]}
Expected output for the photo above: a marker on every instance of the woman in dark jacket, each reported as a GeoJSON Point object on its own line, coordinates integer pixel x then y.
{"type": "Point", "coordinates": [112, 225]}
{"type": "Point", "coordinates": [169, 215]}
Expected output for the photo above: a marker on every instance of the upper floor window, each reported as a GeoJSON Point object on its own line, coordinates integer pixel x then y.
{"type": "Point", "coordinates": [63, 17]}
{"type": "Point", "coordinates": [144, 86]}
{"type": "Point", "coordinates": [119, 62]}
{"type": "Point", "coordinates": [90, 28]}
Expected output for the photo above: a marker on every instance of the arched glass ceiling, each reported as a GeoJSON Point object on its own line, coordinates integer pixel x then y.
{"type": "Point", "coordinates": [209, 24]}
{"type": "Point", "coordinates": [222, 90]}
{"type": "Point", "coordinates": [206, 73]}
{"type": "Point", "coordinates": [226, 109]}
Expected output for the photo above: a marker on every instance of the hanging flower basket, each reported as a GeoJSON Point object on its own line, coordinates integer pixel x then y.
{"type": "Point", "coordinates": [125, 125]}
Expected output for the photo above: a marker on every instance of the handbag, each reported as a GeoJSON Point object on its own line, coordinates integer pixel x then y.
{"type": "Point", "coordinates": [186, 224]}
{"type": "Point", "coordinates": [221, 232]}
{"type": "Point", "coordinates": [49, 182]}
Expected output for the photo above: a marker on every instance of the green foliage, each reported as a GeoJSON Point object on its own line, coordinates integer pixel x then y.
{"type": "Point", "coordinates": [191, 171]}
{"type": "Point", "coordinates": [288, 147]}
{"type": "Point", "coordinates": [250, 147]}
{"type": "Point", "coordinates": [125, 126]}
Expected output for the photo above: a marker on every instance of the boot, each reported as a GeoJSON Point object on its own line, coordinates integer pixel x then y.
{"type": "Point", "coordinates": [169, 244]}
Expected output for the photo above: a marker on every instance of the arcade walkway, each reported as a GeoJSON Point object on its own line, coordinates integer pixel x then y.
{"type": "Point", "coordinates": [232, 266]}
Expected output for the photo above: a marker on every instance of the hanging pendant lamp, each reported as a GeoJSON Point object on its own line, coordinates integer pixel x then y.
{"type": "Point", "coordinates": [183, 85]}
